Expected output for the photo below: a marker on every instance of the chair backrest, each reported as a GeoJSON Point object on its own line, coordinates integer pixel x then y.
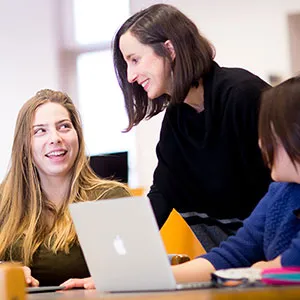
{"type": "Point", "coordinates": [138, 191]}
{"type": "Point", "coordinates": [176, 234]}
{"type": "Point", "coordinates": [179, 238]}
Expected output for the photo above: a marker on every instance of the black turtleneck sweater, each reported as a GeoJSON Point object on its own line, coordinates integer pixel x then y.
{"type": "Point", "coordinates": [210, 162]}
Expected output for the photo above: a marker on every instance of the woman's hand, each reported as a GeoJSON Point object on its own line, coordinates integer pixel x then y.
{"type": "Point", "coordinates": [275, 263]}
{"type": "Point", "coordinates": [30, 281]}
{"type": "Point", "coordinates": [86, 283]}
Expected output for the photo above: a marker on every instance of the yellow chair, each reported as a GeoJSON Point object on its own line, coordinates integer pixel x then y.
{"type": "Point", "coordinates": [179, 238]}
{"type": "Point", "coordinates": [139, 191]}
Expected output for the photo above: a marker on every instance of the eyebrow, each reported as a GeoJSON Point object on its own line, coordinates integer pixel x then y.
{"type": "Point", "coordinates": [127, 57]}
{"type": "Point", "coordinates": [45, 125]}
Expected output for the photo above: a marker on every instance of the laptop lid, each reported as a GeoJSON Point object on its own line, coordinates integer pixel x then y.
{"type": "Point", "coordinates": [121, 244]}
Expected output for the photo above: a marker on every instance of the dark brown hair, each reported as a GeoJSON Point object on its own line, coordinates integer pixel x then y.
{"type": "Point", "coordinates": [279, 120]}
{"type": "Point", "coordinates": [194, 55]}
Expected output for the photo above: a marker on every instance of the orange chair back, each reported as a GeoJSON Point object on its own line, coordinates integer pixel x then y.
{"type": "Point", "coordinates": [176, 233]}
{"type": "Point", "coordinates": [139, 191]}
{"type": "Point", "coordinates": [179, 238]}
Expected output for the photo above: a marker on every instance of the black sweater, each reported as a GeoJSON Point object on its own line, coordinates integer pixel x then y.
{"type": "Point", "coordinates": [210, 162]}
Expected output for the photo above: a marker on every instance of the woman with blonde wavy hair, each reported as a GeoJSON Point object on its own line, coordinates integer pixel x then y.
{"type": "Point", "coordinates": [48, 170]}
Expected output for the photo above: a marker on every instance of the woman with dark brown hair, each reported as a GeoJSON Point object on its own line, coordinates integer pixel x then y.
{"type": "Point", "coordinates": [210, 168]}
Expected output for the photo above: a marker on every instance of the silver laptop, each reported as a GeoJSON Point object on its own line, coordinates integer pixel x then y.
{"type": "Point", "coordinates": [122, 246]}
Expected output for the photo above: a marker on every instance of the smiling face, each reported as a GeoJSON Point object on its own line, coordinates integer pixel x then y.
{"type": "Point", "coordinates": [145, 67]}
{"type": "Point", "coordinates": [54, 141]}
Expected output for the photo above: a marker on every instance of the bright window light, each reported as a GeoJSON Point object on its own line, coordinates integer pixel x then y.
{"type": "Point", "coordinates": [97, 20]}
{"type": "Point", "coordinates": [102, 108]}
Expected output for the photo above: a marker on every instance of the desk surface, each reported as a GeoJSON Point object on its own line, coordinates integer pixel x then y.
{"type": "Point", "coordinates": [209, 294]}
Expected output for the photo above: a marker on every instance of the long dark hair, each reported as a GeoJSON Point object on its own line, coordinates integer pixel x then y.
{"type": "Point", "coordinates": [279, 120]}
{"type": "Point", "coordinates": [194, 55]}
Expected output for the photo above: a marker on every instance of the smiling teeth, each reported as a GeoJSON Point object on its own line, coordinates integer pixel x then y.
{"type": "Point", "coordinates": [144, 83]}
{"type": "Point", "coordinates": [56, 153]}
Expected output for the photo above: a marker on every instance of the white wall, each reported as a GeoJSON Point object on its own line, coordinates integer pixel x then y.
{"type": "Point", "coordinates": [28, 61]}
{"type": "Point", "coordinates": [250, 34]}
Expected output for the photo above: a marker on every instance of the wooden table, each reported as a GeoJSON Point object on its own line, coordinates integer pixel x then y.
{"type": "Point", "coordinates": [277, 293]}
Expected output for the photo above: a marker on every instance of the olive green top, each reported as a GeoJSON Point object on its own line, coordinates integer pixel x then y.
{"type": "Point", "coordinates": [53, 269]}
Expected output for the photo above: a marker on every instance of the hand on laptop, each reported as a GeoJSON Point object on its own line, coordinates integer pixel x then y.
{"type": "Point", "coordinates": [30, 281]}
{"type": "Point", "coordinates": [86, 283]}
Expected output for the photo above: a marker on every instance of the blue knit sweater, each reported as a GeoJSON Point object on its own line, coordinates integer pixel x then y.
{"type": "Point", "coordinates": [272, 229]}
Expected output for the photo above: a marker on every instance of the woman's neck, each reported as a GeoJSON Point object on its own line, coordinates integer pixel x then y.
{"type": "Point", "coordinates": [56, 189]}
{"type": "Point", "coordinates": [195, 97]}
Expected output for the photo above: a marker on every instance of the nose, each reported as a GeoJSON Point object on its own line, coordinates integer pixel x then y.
{"type": "Point", "coordinates": [131, 75]}
{"type": "Point", "coordinates": [55, 137]}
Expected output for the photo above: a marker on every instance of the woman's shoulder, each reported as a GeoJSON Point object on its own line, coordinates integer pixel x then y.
{"type": "Point", "coordinates": [238, 77]}
{"type": "Point", "coordinates": [233, 89]}
{"type": "Point", "coordinates": [282, 190]}
{"type": "Point", "coordinates": [278, 197]}
{"type": "Point", "coordinates": [284, 186]}
{"type": "Point", "coordinates": [236, 82]}
{"type": "Point", "coordinates": [116, 191]}
{"type": "Point", "coordinates": [109, 190]}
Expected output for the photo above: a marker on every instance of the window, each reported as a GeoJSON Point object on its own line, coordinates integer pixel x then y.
{"type": "Point", "coordinates": [101, 104]}
{"type": "Point", "coordinates": [88, 58]}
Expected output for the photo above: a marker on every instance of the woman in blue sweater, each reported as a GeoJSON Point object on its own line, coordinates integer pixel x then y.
{"type": "Point", "coordinates": [270, 237]}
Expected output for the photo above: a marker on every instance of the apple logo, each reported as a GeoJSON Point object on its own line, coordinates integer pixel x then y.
{"type": "Point", "coordinates": [119, 245]}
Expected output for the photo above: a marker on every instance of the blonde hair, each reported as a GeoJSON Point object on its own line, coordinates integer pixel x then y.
{"type": "Point", "coordinates": [24, 208]}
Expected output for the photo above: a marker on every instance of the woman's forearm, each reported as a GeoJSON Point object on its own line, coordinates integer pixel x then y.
{"type": "Point", "coordinates": [199, 269]}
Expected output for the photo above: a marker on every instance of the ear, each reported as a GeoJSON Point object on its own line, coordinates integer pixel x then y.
{"type": "Point", "coordinates": [169, 46]}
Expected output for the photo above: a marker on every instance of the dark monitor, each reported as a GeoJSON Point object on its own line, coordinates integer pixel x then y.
{"type": "Point", "coordinates": [111, 165]}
